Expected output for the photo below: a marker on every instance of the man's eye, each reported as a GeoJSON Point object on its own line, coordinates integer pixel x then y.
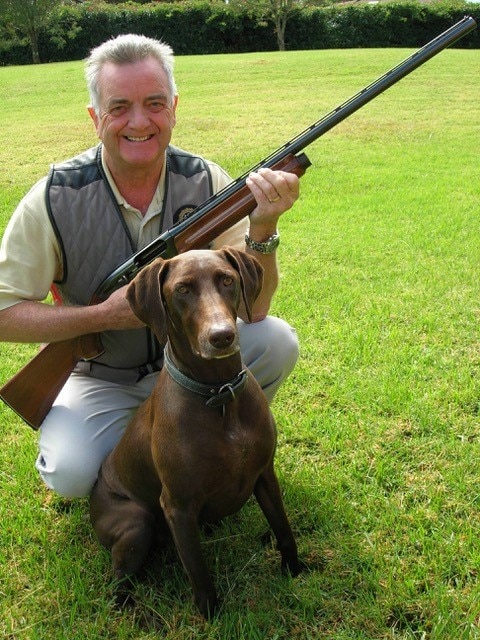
{"type": "Point", "coordinates": [118, 110]}
{"type": "Point", "coordinates": [157, 106]}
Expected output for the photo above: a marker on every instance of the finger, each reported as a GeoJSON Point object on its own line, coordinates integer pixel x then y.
{"type": "Point", "coordinates": [281, 184]}
{"type": "Point", "coordinates": [263, 187]}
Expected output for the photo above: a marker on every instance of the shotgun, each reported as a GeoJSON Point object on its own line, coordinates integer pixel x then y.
{"type": "Point", "coordinates": [32, 391]}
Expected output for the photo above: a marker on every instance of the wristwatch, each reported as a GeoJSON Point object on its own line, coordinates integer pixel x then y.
{"type": "Point", "coordinates": [266, 247]}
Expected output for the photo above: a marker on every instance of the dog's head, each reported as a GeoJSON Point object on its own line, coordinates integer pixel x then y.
{"type": "Point", "coordinates": [175, 293]}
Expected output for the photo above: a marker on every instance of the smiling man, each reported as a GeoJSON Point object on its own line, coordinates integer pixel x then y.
{"type": "Point", "coordinates": [135, 121]}
{"type": "Point", "coordinates": [90, 214]}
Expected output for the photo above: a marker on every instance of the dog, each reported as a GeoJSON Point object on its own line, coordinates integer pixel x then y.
{"type": "Point", "coordinates": [204, 440]}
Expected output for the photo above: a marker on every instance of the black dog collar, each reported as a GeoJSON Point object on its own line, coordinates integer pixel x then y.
{"type": "Point", "coordinates": [218, 395]}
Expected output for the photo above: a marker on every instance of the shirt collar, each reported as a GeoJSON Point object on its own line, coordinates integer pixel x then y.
{"type": "Point", "coordinates": [157, 200]}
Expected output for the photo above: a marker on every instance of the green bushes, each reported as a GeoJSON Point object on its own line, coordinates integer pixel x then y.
{"type": "Point", "coordinates": [200, 27]}
{"type": "Point", "coordinates": [377, 25]}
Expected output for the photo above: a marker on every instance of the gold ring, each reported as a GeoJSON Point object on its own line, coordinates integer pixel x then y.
{"type": "Point", "coordinates": [276, 199]}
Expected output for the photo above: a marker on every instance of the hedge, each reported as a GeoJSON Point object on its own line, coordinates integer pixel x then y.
{"type": "Point", "coordinates": [194, 27]}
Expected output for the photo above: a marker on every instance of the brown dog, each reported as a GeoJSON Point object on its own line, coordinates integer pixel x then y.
{"type": "Point", "coordinates": [204, 440]}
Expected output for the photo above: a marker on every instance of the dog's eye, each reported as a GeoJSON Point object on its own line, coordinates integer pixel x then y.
{"type": "Point", "coordinates": [182, 289]}
{"type": "Point", "coordinates": [227, 281]}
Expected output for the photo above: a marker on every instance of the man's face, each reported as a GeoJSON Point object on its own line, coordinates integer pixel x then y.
{"type": "Point", "coordinates": [137, 114]}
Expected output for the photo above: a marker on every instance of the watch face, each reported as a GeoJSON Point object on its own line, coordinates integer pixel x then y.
{"type": "Point", "coordinates": [272, 244]}
{"type": "Point", "coordinates": [263, 247]}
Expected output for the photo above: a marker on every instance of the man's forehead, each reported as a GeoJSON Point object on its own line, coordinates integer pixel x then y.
{"type": "Point", "coordinates": [147, 70]}
{"type": "Point", "coordinates": [118, 81]}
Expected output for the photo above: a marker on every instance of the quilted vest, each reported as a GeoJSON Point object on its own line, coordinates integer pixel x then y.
{"type": "Point", "coordinates": [94, 238]}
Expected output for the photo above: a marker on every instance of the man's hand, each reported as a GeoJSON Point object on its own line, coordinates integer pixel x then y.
{"type": "Point", "coordinates": [118, 313]}
{"type": "Point", "coordinates": [275, 192]}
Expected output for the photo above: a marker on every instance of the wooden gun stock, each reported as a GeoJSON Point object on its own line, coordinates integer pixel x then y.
{"type": "Point", "coordinates": [32, 391]}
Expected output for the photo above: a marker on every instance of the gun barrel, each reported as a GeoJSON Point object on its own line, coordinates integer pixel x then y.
{"type": "Point", "coordinates": [370, 92]}
{"type": "Point", "coordinates": [317, 129]}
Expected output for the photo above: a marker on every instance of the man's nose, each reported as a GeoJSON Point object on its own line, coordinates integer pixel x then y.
{"type": "Point", "coordinates": [138, 117]}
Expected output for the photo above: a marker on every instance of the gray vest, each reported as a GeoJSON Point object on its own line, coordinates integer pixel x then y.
{"type": "Point", "coordinates": [94, 238]}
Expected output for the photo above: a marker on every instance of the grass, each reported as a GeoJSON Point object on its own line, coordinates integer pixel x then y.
{"type": "Point", "coordinates": [378, 425]}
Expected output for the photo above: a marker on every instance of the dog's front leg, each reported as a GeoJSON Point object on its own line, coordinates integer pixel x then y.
{"type": "Point", "coordinates": [183, 523]}
{"type": "Point", "coordinates": [269, 497]}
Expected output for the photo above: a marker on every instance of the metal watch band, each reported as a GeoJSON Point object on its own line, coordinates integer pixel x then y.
{"type": "Point", "coordinates": [266, 247]}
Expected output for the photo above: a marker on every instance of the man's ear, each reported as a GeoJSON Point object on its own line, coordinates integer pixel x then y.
{"type": "Point", "coordinates": [174, 110]}
{"type": "Point", "coordinates": [144, 294]}
{"type": "Point", "coordinates": [93, 115]}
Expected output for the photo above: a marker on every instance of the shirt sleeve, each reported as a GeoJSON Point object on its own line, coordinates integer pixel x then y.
{"type": "Point", "coordinates": [29, 252]}
{"type": "Point", "coordinates": [235, 235]}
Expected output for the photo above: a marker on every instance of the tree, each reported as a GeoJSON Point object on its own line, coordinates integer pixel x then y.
{"type": "Point", "coordinates": [23, 20]}
{"type": "Point", "coordinates": [275, 11]}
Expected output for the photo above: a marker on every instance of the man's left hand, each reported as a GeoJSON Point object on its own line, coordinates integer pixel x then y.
{"type": "Point", "coordinates": [275, 192]}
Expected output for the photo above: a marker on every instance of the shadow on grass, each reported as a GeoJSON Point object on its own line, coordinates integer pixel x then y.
{"type": "Point", "coordinates": [241, 553]}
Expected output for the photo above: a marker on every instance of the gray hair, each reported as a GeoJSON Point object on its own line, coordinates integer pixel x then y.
{"type": "Point", "coordinates": [127, 49]}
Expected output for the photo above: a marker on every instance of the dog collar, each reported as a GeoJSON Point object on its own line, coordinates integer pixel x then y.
{"type": "Point", "coordinates": [218, 395]}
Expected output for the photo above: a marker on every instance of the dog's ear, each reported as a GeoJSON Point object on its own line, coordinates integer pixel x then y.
{"type": "Point", "coordinates": [251, 275]}
{"type": "Point", "coordinates": [144, 294]}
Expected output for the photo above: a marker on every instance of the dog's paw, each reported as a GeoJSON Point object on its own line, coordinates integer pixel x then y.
{"type": "Point", "coordinates": [293, 567]}
{"type": "Point", "coordinates": [124, 599]}
{"type": "Point", "coordinates": [207, 604]}
{"type": "Point", "coordinates": [123, 594]}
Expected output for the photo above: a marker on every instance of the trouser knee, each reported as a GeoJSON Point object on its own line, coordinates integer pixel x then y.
{"type": "Point", "coordinates": [85, 423]}
{"type": "Point", "coordinates": [270, 350]}
{"type": "Point", "coordinates": [70, 478]}
{"type": "Point", "coordinates": [68, 461]}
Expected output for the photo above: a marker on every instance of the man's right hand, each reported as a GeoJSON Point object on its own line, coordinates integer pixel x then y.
{"type": "Point", "coordinates": [30, 321]}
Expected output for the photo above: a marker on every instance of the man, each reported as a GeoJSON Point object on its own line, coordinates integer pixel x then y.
{"type": "Point", "coordinates": [89, 215]}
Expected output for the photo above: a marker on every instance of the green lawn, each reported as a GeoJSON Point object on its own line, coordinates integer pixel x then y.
{"type": "Point", "coordinates": [379, 434]}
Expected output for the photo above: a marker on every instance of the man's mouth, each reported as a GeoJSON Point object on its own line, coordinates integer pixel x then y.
{"type": "Point", "coordinates": [140, 139]}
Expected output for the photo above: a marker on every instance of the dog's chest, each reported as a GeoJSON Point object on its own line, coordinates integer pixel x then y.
{"type": "Point", "coordinates": [246, 446]}
{"type": "Point", "coordinates": [239, 457]}
{"type": "Point", "coordinates": [217, 467]}
{"type": "Point", "coordinates": [233, 471]}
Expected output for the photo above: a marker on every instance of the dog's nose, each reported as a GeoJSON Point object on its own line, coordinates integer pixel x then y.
{"type": "Point", "coordinates": [222, 336]}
